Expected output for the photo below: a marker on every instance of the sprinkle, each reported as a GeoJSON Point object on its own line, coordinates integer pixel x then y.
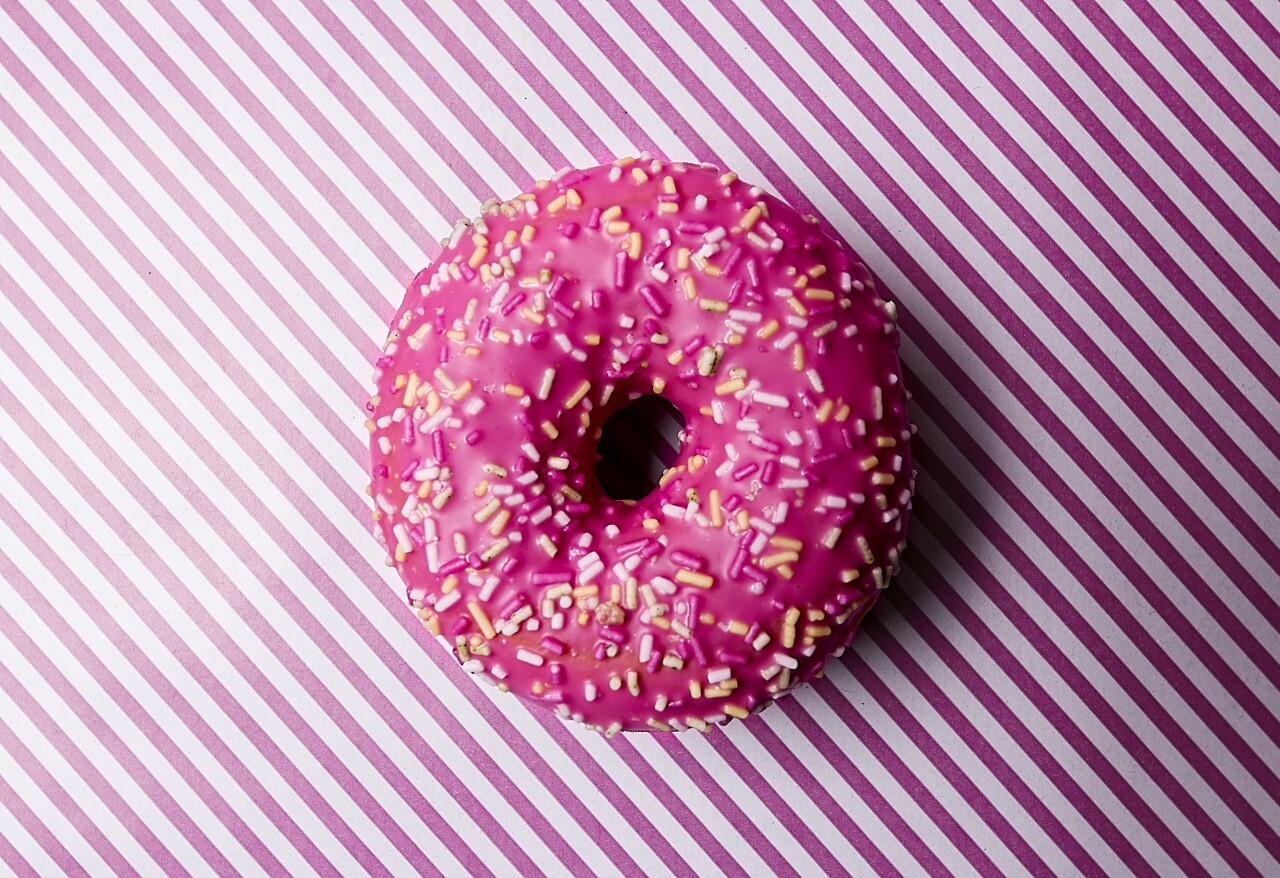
{"type": "Point", "coordinates": [578, 394]}
{"type": "Point", "coordinates": [731, 386]}
{"type": "Point", "coordinates": [654, 300]}
{"type": "Point", "coordinates": [769, 562]}
{"type": "Point", "coordinates": [529, 657]}
{"type": "Point", "coordinates": [482, 620]}
{"type": "Point", "coordinates": [692, 577]}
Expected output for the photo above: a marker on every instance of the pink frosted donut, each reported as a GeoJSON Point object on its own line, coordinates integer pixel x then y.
{"type": "Point", "coordinates": [770, 531]}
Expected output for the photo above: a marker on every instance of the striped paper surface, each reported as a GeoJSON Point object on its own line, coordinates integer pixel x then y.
{"type": "Point", "coordinates": [207, 215]}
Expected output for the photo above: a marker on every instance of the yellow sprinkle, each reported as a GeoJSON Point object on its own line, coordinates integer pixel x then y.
{"type": "Point", "coordinates": [824, 411]}
{"type": "Point", "coordinates": [487, 510]}
{"type": "Point", "coordinates": [411, 388]}
{"type": "Point", "coordinates": [547, 546]}
{"type": "Point", "coordinates": [736, 711]}
{"type": "Point", "coordinates": [651, 524]}
{"type": "Point", "coordinates": [682, 259]}
{"type": "Point", "coordinates": [669, 185]}
{"type": "Point", "coordinates": [690, 290]}
{"type": "Point", "coordinates": [695, 689]}
{"type": "Point", "coordinates": [817, 271]}
{"type": "Point", "coordinates": [728, 178]}
{"type": "Point", "coordinates": [798, 307]}
{"type": "Point", "coordinates": [659, 383]}
{"type": "Point", "coordinates": [886, 442]}
{"type": "Point", "coordinates": [636, 242]}
{"type": "Point", "coordinates": [592, 339]}
{"type": "Point", "coordinates": [638, 175]}
{"type": "Point", "coordinates": [731, 386]}
{"type": "Point", "coordinates": [513, 390]}
{"type": "Point", "coordinates": [557, 204]}
{"type": "Point", "coordinates": [882, 479]}
{"type": "Point", "coordinates": [482, 620]}
{"type": "Point", "coordinates": [742, 519]}
{"type": "Point", "coordinates": [843, 415]}
{"type": "Point", "coordinates": [477, 256]}
{"type": "Point", "coordinates": [617, 227]}
{"type": "Point", "coordinates": [550, 429]}
{"type": "Point", "coordinates": [768, 329]}
{"type": "Point", "coordinates": [797, 357]}
{"type": "Point", "coordinates": [668, 207]}
{"type": "Point", "coordinates": [821, 295]}
{"type": "Point", "coordinates": [749, 218]}
{"type": "Point", "coordinates": [526, 234]}
{"type": "Point", "coordinates": [692, 577]}
{"type": "Point", "coordinates": [801, 282]}
{"type": "Point", "coordinates": [675, 357]}
{"type": "Point", "coordinates": [482, 488]}
{"type": "Point", "coordinates": [575, 200]}
{"type": "Point", "coordinates": [787, 543]}
{"type": "Point", "coordinates": [738, 627]}
{"type": "Point", "coordinates": [714, 305]}
{"type": "Point", "coordinates": [713, 503]}
{"type": "Point", "coordinates": [500, 523]}
{"type": "Point", "coordinates": [611, 214]}
{"type": "Point", "coordinates": [577, 395]}
{"type": "Point", "coordinates": [777, 559]}
{"type": "Point", "coordinates": [869, 463]}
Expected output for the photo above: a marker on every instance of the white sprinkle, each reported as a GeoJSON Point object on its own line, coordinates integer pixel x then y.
{"type": "Point", "coordinates": [527, 478]}
{"type": "Point", "coordinates": [715, 235]}
{"type": "Point", "coordinates": [744, 316]}
{"type": "Point", "coordinates": [793, 484]}
{"type": "Point", "coordinates": [530, 451]}
{"type": "Point", "coordinates": [717, 410]}
{"type": "Point", "coordinates": [529, 657]}
{"type": "Point", "coordinates": [673, 510]}
{"type": "Point", "coordinates": [626, 321]}
{"type": "Point", "coordinates": [448, 600]}
{"type": "Point", "coordinates": [588, 559]}
{"type": "Point", "coordinates": [700, 202]}
{"type": "Point", "coordinates": [560, 463]}
{"type": "Point", "coordinates": [540, 515]}
{"type": "Point", "coordinates": [433, 557]}
{"type": "Point", "coordinates": [786, 341]}
{"type": "Point", "coordinates": [719, 675]}
{"type": "Point", "coordinates": [548, 378]}
{"type": "Point", "coordinates": [774, 399]}
{"type": "Point", "coordinates": [789, 460]}
{"type": "Point", "coordinates": [761, 524]}
{"type": "Point", "coordinates": [748, 425]}
{"type": "Point", "coordinates": [589, 689]}
{"type": "Point", "coordinates": [786, 661]}
{"type": "Point", "coordinates": [646, 648]}
{"type": "Point", "coordinates": [561, 518]}
{"type": "Point", "coordinates": [384, 444]}
{"type": "Point", "coordinates": [815, 379]}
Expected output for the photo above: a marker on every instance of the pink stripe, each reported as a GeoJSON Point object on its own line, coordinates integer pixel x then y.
{"type": "Point", "coordinates": [112, 742]}
{"type": "Point", "coordinates": [1258, 653]}
{"type": "Point", "coordinates": [37, 829]}
{"type": "Point", "coordinates": [10, 856]}
{"type": "Point", "coordinates": [675, 63]}
{"type": "Point", "coordinates": [88, 772]}
{"type": "Point", "coordinates": [66, 803]}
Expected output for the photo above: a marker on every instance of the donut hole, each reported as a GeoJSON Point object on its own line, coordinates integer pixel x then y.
{"type": "Point", "coordinates": [637, 445]}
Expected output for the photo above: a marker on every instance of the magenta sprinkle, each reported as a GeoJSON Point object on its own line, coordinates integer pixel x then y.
{"type": "Point", "coordinates": [552, 577]}
{"type": "Point", "coordinates": [459, 626]}
{"type": "Point", "coordinates": [691, 227]}
{"type": "Point", "coordinates": [409, 431]}
{"type": "Point", "coordinates": [739, 559]}
{"type": "Point", "coordinates": [576, 509]}
{"type": "Point", "coordinates": [770, 474]}
{"type": "Point", "coordinates": [736, 292]}
{"type": "Point", "coordinates": [620, 270]}
{"type": "Point", "coordinates": [699, 655]}
{"type": "Point", "coordinates": [654, 300]}
{"type": "Point", "coordinates": [693, 344]}
{"type": "Point", "coordinates": [554, 644]}
{"type": "Point", "coordinates": [630, 548]}
{"type": "Point", "coordinates": [731, 261]}
{"type": "Point", "coordinates": [688, 559]}
{"type": "Point", "coordinates": [655, 659]}
{"type": "Point", "coordinates": [562, 309]}
{"type": "Point", "coordinates": [511, 303]}
{"type": "Point", "coordinates": [410, 468]}
{"type": "Point", "coordinates": [453, 565]}
{"type": "Point", "coordinates": [437, 445]}
{"type": "Point", "coordinates": [732, 502]}
{"type": "Point", "coordinates": [745, 470]}
{"type": "Point", "coordinates": [482, 331]}
{"type": "Point", "coordinates": [600, 651]}
{"type": "Point", "coordinates": [558, 284]}
{"type": "Point", "coordinates": [756, 574]}
{"type": "Point", "coordinates": [570, 230]}
{"type": "Point", "coordinates": [556, 671]}
{"type": "Point", "coordinates": [466, 271]}
{"type": "Point", "coordinates": [731, 658]}
{"type": "Point", "coordinates": [474, 436]}
{"type": "Point", "coordinates": [597, 300]}
{"type": "Point", "coordinates": [614, 635]}
{"type": "Point", "coordinates": [593, 219]}
{"type": "Point", "coordinates": [381, 471]}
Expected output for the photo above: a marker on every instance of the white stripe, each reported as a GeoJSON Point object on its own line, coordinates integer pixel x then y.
{"type": "Point", "coordinates": [37, 860]}
{"type": "Point", "coordinates": [31, 796]}
{"type": "Point", "coordinates": [94, 751]}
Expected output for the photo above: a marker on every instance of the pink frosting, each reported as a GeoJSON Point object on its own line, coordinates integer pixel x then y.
{"type": "Point", "coordinates": [766, 542]}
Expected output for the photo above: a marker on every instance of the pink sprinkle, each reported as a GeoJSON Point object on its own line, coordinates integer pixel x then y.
{"type": "Point", "coordinates": [460, 625]}
{"type": "Point", "coordinates": [511, 303]}
{"type": "Point", "coordinates": [409, 469]}
{"type": "Point", "coordinates": [482, 331]}
{"type": "Point", "coordinates": [732, 503]}
{"type": "Point", "coordinates": [437, 445]}
{"type": "Point", "coordinates": [509, 565]}
{"type": "Point", "coordinates": [452, 566]}
{"type": "Point", "coordinates": [474, 561]}
{"type": "Point", "coordinates": [600, 651]}
{"type": "Point", "coordinates": [745, 470]}
{"type": "Point", "coordinates": [577, 508]}
{"type": "Point", "coordinates": [736, 291]}
{"type": "Point", "coordinates": [655, 659]}
{"type": "Point", "coordinates": [693, 344]}
{"type": "Point", "coordinates": [593, 219]}
{"type": "Point", "coordinates": [630, 548]}
{"type": "Point", "coordinates": [556, 286]}
{"type": "Point", "coordinates": [552, 577]}
{"type": "Point", "coordinates": [556, 671]}
{"type": "Point", "coordinates": [539, 339]}
{"type": "Point", "coordinates": [738, 562]}
{"type": "Point", "coordinates": [691, 227]}
{"type": "Point", "coordinates": [510, 607]}
{"type": "Point", "coordinates": [570, 230]}
{"type": "Point", "coordinates": [466, 271]}
{"type": "Point", "coordinates": [653, 299]}
{"type": "Point", "coordinates": [597, 300]}
{"type": "Point", "coordinates": [612, 634]}
{"type": "Point", "coordinates": [474, 436]}
{"type": "Point", "coordinates": [381, 471]}
{"type": "Point", "coordinates": [770, 473]}
{"type": "Point", "coordinates": [756, 574]}
{"type": "Point", "coordinates": [654, 252]}
{"type": "Point", "coordinates": [667, 197]}
{"type": "Point", "coordinates": [698, 654]}
{"type": "Point", "coordinates": [688, 559]}
{"type": "Point", "coordinates": [620, 270]}
{"type": "Point", "coordinates": [556, 645]}
{"type": "Point", "coordinates": [731, 261]}
{"type": "Point", "coordinates": [731, 658]}
{"type": "Point", "coordinates": [753, 271]}
{"type": "Point", "coordinates": [562, 309]}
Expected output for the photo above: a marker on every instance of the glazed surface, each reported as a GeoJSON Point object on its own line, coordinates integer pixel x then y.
{"type": "Point", "coordinates": [766, 542]}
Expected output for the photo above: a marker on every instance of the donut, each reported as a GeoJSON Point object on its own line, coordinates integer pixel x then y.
{"type": "Point", "coordinates": [514, 411]}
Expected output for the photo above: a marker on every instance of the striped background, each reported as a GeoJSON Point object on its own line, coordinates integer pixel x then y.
{"type": "Point", "coordinates": [206, 218]}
